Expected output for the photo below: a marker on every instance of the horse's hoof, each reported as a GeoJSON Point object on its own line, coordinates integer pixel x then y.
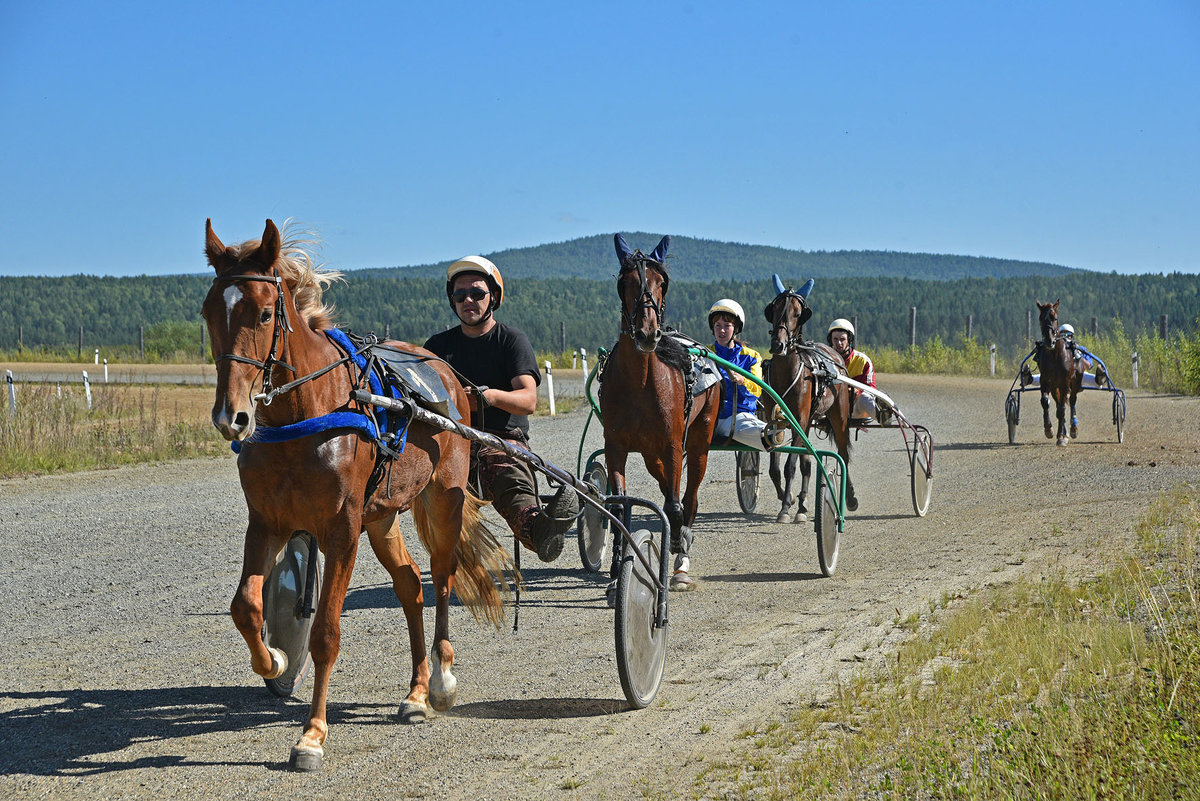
{"type": "Point", "coordinates": [412, 712]}
{"type": "Point", "coordinates": [682, 582]}
{"type": "Point", "coordinates": [852, 504]}
{"type": "Point", "coordinates": [783, 516]}
{"type": "Point", "coordinates": [800, 518]}
{"type": "Point", "coordinates": [306, 758]}
{"type": "Point", "coordinates": [279, 663]}
{"type": "Point", "coordinates": [442, 701]}
{"type": "Point", "coordinates": [1049, 433]}
{"type": "Point", "coordinates": [1074, 433]}
{"type": "Point", "coordinates": [1062, 442]}
{"type": "Point", "coordinates": [610, 594]}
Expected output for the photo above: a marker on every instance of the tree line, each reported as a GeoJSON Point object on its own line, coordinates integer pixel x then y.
{"type": "Point", "coordinates": [48, 312]}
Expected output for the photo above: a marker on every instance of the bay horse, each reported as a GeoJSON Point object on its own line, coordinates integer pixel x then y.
{"type": "Point", "coordinates": [265, 320]}
{"type": "Point", "coordinates": [645, 401]}
{"type": "Point", "coordinates": [799, 373]}
{"type": "Point", "coordinates": [1061, 373]}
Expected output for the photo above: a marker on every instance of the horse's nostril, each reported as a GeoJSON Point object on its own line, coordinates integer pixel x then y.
{"type": "Point", "coordinates": [657, 335]}
{"type": "Point", "coordinates": [241, 420]}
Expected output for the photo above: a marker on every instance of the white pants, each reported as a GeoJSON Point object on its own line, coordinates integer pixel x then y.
{"type": "Point", "coordinates": [748, 431]}
{"type": "Point", "coordinates": [864, 406]}
{"type": "Point", "coordinates": [1089, 381]}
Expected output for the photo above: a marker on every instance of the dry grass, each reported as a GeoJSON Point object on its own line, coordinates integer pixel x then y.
{"type": "Point", "coordinates": [1046, 690]}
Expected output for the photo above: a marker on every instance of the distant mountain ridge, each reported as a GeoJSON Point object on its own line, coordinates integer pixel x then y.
{"type": "Point", "coordinates": [707, 260]}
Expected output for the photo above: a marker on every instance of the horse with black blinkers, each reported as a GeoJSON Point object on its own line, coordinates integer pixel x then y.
{"type": "Point", "coordinates": [801, 374]}
{"type": "Point", "coordinates": [1061, 373]}
{"type": "Point", "coordinates": [277, 370]}
{"type": "Point", "coordinates": [645, 401]}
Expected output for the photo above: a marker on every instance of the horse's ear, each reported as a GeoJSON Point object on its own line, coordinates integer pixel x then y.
{"type": "Point", "coordinates": [775, 282]}
{"type": "Point", "coordinates": [805, 290]}
{"type": "Point", "coordinates": [268, 249]}
{"type": "Point", "coordinates": [214, 248]}
{"type": "Point", "coordinates": [623, 251]}
{"type": "Point", "coordinates": [660, 252]}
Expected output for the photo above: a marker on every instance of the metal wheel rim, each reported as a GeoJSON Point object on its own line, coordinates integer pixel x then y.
{"type": "Point", "coordinates": [746, 472]}
{"type": "Point", "coordinates": [1119, 417]}
{"type": "Point", "coordinates": [825, 524]}
{"type": "Point", "coordinates": [592, 528]}
{"type": "Point", "coordinates": [1010, 415]}
{"type": "Point", "coordinates": [283, 627]}
{"type": "Point", "coordinates": [922, 481]}
{"type": "Point", "coordinates": [641, 648]}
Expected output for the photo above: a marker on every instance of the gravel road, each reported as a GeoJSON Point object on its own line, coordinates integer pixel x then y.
{"type": "Point", "coordinates": [124, 677]}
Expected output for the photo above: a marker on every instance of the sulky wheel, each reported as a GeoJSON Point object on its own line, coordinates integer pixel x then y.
{"type": "Point", "coordinates": [1012, 414]}
{"type": "Point", "coordinates": [592, 528]}
{"type": "Point", "coordinates": [286, 619]}
{"type": "Point", "coordinates": [922, 474]}
{"type": "Point", "coordinates": [1119, 415]}
{"type": "Point", "coordinates": [641, 648]}
{"type": "Point", "coordinates": [825, 521]}
{"type": "Point", "coordinates": [746, 466]}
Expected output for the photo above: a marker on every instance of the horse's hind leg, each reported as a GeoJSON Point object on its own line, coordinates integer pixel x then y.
{"type": "Point", "coordinates": [1074, 418]}
{"type": "Point", "coordinates": [340, 546]}
{"type": "Point", "coordinates": [806, 467]}
{"type": "Point", "coordinates": [388, 543]}
{"type": "Point", "coordinates": [1046, 415]}
{"type": "Point", "coordinates": [438, 513]}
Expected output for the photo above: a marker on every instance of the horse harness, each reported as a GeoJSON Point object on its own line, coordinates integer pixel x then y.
{"type": "Point", "coordinates": [282, 328]}
{"type": "Point", "coordinates": [645, 301]}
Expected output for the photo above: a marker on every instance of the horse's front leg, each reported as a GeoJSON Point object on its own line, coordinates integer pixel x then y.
{"type": "Point", "coordinates": [805, 477]}
{"type": "Point", "coordinates": [1061, 414]}
{"type": "Point", "coordinates": [388, 543]}
{"type": "Point", "coordinates": [340, 546]}
{"type": "Point", "coordinates": [1074, 418]}
{"type": "Point", "coordinates": [1046, 415]}
{"type": "Point", "coordinates": [246, 609]}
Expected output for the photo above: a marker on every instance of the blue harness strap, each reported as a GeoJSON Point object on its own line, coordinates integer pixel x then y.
{"type": "Point", "coordinates": [373, 426]}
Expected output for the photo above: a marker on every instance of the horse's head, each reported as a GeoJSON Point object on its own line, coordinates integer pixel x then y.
{"type": "Point", "coordinates": [787, 314]}
{"type": "Point", "coordinates": [247, 324]}
{"type": "Point", "coordinates": [1048, 320]}
{"type": "Point", "coordinates": [642, 287]}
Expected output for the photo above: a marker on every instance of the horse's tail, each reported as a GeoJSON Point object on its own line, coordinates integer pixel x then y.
{"type": "Point", "coordinates": [484, 565]}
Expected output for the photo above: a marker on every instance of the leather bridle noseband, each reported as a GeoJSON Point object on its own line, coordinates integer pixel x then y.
{"type": "Point", "coordinates": [282, 328]}
{"type": "Point", "coordinates": [645, 300]}
{"type": "Point", "coordinates": [793, 341]}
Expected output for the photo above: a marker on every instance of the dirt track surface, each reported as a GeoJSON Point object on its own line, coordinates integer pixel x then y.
{"type": "Point", "coordinates": [124, 677]}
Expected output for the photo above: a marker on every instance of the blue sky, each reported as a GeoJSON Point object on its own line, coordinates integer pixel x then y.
{"type": "Point", "coordinates": [407, 133]}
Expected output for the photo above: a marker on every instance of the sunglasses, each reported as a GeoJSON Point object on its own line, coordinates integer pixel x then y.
{"type": "Point", "coordinates": [474, 293]}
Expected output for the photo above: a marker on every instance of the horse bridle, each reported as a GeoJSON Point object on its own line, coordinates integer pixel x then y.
{"type": "Point", "coordinates": [793, 341]}
{"type": "Point", "coordinates": [645, 300]}
{"type": "Point", "coordinates": [282, 328]}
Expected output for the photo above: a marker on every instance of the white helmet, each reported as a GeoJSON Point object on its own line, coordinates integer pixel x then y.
{"type": "Point", "coordinates": [843, 324]}
{"type": "Point", "coordinates": [483, 267]}
{"type": "Point", "coordinates": [1067, 330]}
{"type": "Point", "coordinates": [730, 307]}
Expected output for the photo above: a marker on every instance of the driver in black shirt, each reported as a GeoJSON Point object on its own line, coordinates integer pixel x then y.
{"type": "Point", "coordinates": [500, 362]}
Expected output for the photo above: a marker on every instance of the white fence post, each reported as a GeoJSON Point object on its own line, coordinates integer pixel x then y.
{"type": "Point", "coordinates": [87, 389]}
{"type": "Point", "coordinates": [1135, 366]}
{"type": "Point", "coordinates": [12, 393]}
{"type": "Point", "coordinates": [106, 371]}
{"type": "Point", "coordinates": [575, 360]}
{"type": "Point", "coordinates": [583, 353]}
{"type": "Point", "coordinates": [550, 387]}
{"type": "Point", "coordinates": [97, 355]}
{"type": "Point", "coordinates": [992, 358]}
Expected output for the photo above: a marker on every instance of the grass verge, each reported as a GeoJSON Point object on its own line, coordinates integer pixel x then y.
{"type": "Point", "coordinates": [1036, 690]}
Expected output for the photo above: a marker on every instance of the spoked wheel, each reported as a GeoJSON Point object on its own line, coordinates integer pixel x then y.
{"type": "Point", "coordinates": [592, 528]}
{"type": "Point", "coordinates": [746, 464]}
{"type": "Point", "coordinates": [825, 521]}
{"type": "Point", "coordinates": [641, 648]}
{"type": "Point", "coordinates": [1012, 414]}
{"type": "Point", "coordinates": [288, 609]}
{"type": "Point", "coordinates": [1119, 415]}
{"type": "Point", "coordinates": [922, 473]}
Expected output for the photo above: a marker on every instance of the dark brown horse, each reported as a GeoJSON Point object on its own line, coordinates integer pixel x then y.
{"type": "Point", "coordinates": [645, 403]}
{"type": "Point", "coordinates": [1061, 373]}
{"type": "Point", "coordinates": [800, 374]}
{"type": "Point", "coordinates": [265, 315]}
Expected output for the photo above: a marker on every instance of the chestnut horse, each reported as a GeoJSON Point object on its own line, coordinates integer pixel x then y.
{"type": "Point", "coordinates": [265, 315]}
{"type": "Point", "coordinates": [1062, 373]}
{"type": "Point", "coordinates": [645, 401]}
{"type": "Point", "coordinates": [799, 373]}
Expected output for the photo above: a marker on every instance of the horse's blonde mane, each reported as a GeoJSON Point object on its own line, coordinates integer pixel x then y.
{"type": "Point", "coordinates": [298, 268]}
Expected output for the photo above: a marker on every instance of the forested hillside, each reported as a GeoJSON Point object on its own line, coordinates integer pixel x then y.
{"type": "Point", "coordinates": [110, 310]}
{"type": "Point", "coordinates": [706, 260]}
